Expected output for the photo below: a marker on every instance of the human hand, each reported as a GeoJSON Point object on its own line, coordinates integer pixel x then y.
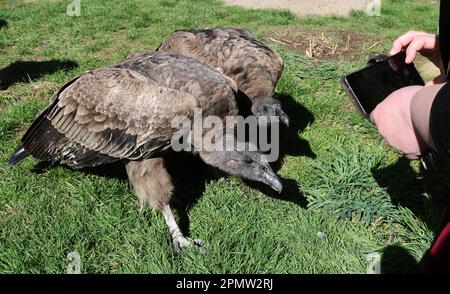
{"type": "Point", "coordinates": [394, 122]}
{"type": "Point", "coordinates": [413, 42]}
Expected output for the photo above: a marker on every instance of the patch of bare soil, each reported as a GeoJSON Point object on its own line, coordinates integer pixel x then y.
{"type": "Point", "coordinates": [325, 45]}
{"type": "Point", "coordinates": [306, 7]}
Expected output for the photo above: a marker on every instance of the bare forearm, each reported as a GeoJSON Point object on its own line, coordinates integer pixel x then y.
{"type": "Point", "coordinates": [420, 112]}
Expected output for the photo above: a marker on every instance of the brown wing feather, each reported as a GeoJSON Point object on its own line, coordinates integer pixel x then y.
{"type": "Point", "coordinates": [110, 112]}
{"type": "Point", "coordinates": [254, 66]}
{"type": "Point", "coordinates": [213, 92]}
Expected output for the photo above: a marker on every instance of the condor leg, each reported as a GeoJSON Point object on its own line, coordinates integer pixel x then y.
{"type": "Point", "coordinates": [153, 185]}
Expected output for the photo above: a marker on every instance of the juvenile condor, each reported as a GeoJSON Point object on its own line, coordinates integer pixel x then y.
{"type": "Point", "coordinates": [254, 67]}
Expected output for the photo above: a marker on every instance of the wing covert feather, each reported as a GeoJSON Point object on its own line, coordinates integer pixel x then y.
{"type": "Point", "coordinates": [115, 112]}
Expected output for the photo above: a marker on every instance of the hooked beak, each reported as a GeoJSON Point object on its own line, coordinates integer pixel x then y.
{"type": "Point", "coordinates": [284, 118]}
{"type": "Point", "coordinates": [269, 178]}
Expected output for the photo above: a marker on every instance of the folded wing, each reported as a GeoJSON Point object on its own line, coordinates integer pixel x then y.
{"type": "Point", "coordinates": [106, 115]}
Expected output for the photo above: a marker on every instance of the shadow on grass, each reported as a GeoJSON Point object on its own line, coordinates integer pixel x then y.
{"type": "Point", "coordinates": [22, 71]}
{"type": "Point", "coordinates": [3, 23]}
{"type": "Point", "coordinates": [115, 170]}
{"type": "Point", "coordinates": [300, 117]}
{"type": "Point", "coordinates": [407, 189]}
{"type": "Point", "coordinates": [397, 260]}
{"type": "Point", "coordinates": [290, 143]}
{"type": "Point", "coordinates": [189, 175]}
{"type": "Point", "coordinates": [188, 172]}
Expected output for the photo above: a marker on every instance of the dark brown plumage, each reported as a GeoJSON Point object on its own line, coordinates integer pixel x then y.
{"type": "Point", "coordinates": [124, 112]}
{"type": "Point", "coordinates": [239, 55]}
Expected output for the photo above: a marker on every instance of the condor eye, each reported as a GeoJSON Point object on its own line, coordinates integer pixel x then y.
{"type": "Point", "coordinates": [248, 160]}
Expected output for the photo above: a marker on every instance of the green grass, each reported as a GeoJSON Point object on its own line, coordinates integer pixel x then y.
{"type": "Point", "coordinates": [346, 193]}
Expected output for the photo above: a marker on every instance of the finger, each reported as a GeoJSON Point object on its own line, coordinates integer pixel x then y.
{"type": "Point", "coordinates": [415, 46]}
{"type": "Point", "coordinates": [412, 156]}
{"type": "Point", "coordinates": [402, 42]}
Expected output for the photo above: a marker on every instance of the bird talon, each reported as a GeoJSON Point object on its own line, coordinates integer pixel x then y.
{"type": "Point", "coordinates": [184, 242]}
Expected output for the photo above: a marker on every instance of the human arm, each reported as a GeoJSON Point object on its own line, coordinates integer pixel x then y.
{"type": "Point", "coordinates": [404, 117]}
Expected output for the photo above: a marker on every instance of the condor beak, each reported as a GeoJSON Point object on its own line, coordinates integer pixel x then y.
{"type": "Point", "coordinates": [284, 118]}
{"type": "Point", "coordinates": [269, 178]}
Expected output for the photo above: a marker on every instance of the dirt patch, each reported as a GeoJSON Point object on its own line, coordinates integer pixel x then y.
{"type": "Point", "coordinates": [42, 90]}
{"type": "Point", "coordinates": [39, 1]}
{"type": "Point", "coordinates": [325, 45]}
{"type": "Point", "coordinates": [306, 7]}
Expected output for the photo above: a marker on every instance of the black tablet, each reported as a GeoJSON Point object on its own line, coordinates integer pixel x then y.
{"type": "Point", "coordinates": [382, 76]}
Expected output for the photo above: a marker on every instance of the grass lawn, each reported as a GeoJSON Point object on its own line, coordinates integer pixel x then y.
{"type": "Point", "coordinates": [346, 194]}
